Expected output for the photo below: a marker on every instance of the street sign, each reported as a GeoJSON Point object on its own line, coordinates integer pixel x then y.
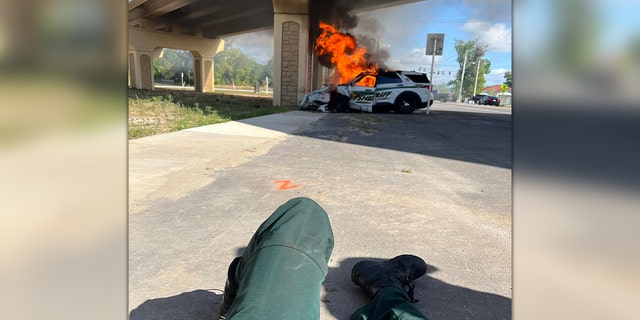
{"type": "Point", "coordinates": [504, 87]}
{"type": "Point", "coordinates": [435, 42]}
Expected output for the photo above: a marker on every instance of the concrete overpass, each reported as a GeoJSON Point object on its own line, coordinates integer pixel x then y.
{"type": "Point", "coordinates": [199, 26]}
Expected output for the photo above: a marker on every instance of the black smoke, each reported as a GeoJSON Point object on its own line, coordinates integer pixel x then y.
{"type": "Point", "coordinates": [368, 32]}
{"type": "Point", "coordinates": [335, 12]}
{"type": "Point", "coordinates": [339, 13]}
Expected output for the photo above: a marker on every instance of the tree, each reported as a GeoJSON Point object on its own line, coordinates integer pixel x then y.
{"type": "Point", "coordinates": [474, 54]}
{"type": "Point", "coordinates": [507, 78]}
{"type": "Point", "coordinates": [234, 67]}
{"type": "Point", "coordinates": [230, 66]}
{"type": "Point", "coordinates": [267, 71]}
{"type": "Point", "coordinates": [174, 65]}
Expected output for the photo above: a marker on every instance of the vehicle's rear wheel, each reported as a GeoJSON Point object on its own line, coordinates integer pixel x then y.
{"type": "Point", "coordinates": [406, 104]}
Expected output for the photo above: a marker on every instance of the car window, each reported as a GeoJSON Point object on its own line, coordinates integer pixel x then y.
{"type": "Point", "coordinates": [366, 81]}
{"type": "Point", "coordinates": [388, 77]}
{"type": "Point", "coordinates": [418, 78]}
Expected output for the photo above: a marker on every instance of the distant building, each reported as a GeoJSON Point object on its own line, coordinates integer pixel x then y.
{"type": "Point", "coordinates": [495, 89]}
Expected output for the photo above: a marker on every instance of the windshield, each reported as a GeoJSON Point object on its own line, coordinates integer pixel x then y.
{"type": "Point", "coordinates": [366, 81]}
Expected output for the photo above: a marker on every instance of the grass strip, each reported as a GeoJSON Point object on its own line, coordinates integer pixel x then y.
{"type": "Point", "coordinates": [159, 111]}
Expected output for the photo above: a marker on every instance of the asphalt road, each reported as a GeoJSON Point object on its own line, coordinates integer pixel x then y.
{"type": "Point", "coordinates": [436, 186]}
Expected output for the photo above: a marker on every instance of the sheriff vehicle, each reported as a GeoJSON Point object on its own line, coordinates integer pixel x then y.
{"type": "Point", "coordinates": [399, 91]}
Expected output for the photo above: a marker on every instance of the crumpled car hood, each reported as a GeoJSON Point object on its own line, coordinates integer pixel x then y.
{"type": "Point", "coordinates": [322, 96]}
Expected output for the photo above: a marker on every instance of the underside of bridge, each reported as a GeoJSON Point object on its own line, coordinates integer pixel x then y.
{"type": "Point", "coordinates": [200, 26]}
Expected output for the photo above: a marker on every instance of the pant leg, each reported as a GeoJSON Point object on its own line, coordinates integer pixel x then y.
{"type": "Point", "coordinates": [281, 271]}
{"type": "Point", "coordinates": [391, 303]}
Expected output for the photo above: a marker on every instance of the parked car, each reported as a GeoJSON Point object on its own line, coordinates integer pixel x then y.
{"type": "Point", "coordinates": [478, 97]}
{"type": "Point", "coordinates": [399, 91]}
{"type": "Point", "coordinates": [442, 97]}
{"type": "Point", "coordinates": [490, 101]}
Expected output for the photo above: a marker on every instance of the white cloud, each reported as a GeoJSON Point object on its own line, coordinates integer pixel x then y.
{"type": "Point", "coordinates": [412, 59]}
{"type": "Point", "coordinates": [496, 76]}
{"type": "Point", "coordinates": [415, 59]}
{"type": "Point", "coordinates": [491, 80]}
{"type": "Point", "coordinates": [258, 45]}
{"type": "Point", "coordinates": [499, 71]}
{"type": "Point", "coordinates": [496, 36]}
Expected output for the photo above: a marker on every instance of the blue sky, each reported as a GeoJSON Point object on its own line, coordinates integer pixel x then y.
{"type": "Point", "coordinates": [403, 30]}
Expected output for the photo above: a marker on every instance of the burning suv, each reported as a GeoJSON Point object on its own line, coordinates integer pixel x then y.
{"type": "Point", "coordinates": [399, 91]}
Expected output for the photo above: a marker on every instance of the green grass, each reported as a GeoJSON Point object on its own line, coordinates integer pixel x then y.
{"type": "Point", "coordinates": [163, 110]}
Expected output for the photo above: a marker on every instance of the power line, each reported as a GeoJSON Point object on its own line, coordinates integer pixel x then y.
{"type": "Point", "coordinates": [456, 21]}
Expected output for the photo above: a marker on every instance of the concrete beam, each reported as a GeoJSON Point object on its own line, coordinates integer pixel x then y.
{"type": "Point", "coordinates": [175, 28]}
{"type": "Point", "coordinates": [228, 29]}
{"type": "Point", "coordinates": [136, 3]}
{"type": "Point", "coordinates": [146, 45]}
{"type": "Point", "coordinates": [136, 13]}
{"type": "Point", "coordinates": [203, 9]}
{"type": "Point", "coordinates": [147, 40]}
{"type": "Point", "coordinates": [198, 32]}
{"type": "Point", "coordinates": [291, 6]}
{"type": "Point", "coordinates": [140, 22]}
{"type": "Point", "coordinates": [255, 27]}
{"type": "Point", "coordinates": [157, 8]}
{"type": "Point", "coordinates": [371, 5]}
{"type": "Point", "coordinates": [223, 19]}
{"type": "Point", "coordinates": [158, 25]}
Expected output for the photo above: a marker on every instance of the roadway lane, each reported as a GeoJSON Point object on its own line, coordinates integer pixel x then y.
{"type": "Point", "coordinates": [452, 106]}
{"type": "Point", "coordinates": [436, 186]}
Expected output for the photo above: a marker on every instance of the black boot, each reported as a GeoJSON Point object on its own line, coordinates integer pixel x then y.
{"type": "Point", "coordinates": [230, 289]}
{"type": "Point", "coordinates": [372, 276]}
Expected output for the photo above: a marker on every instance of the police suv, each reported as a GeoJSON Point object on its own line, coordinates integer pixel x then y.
{"type": "Point", "coordinates": [399, 91]}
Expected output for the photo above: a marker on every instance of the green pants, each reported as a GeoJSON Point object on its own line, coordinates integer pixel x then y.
{"type": "Point", "coordinates": [390, 303]}
{"type": "Point", "coordinates": [284, 264]}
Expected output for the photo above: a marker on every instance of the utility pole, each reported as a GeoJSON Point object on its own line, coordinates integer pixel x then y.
{"type": "Point", "coordinates": [475, 85]}
{"type": "Point", "coordinates": [479, 53]}
{"type": "Point", "coordinates": [433, 39]}
{"type": "Point", "coordinates": [464, 65]}
{"type": "Point", "coordinates": [433, 55]}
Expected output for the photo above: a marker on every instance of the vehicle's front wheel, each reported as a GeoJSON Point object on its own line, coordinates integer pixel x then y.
{"type": "Point", "coordinates": [338, 103]}
{"type": "Point", "coordinates": [406, 104]}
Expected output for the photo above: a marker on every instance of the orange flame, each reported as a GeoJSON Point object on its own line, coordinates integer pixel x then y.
{"type": "Point", "coordinates": [343, 52]}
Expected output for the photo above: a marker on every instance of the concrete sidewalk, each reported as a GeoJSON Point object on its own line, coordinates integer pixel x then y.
{"type": "Point", "coordinates": [438, 187]}
{"type": "Point", "coordinates": [172, 165]}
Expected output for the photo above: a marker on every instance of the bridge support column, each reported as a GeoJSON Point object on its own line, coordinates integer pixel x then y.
{"type": "Point", "coordinates": [203, 73]}
{"type": "Point", "coordinates": [291, 65]}
{"type": "Point", "coordinates": [141, 68]}
{"type": "Point", "coordinates": [145, 46]}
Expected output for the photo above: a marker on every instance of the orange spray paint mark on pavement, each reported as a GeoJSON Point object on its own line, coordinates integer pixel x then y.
{"type": "Point", "coordinates": [285, 184]}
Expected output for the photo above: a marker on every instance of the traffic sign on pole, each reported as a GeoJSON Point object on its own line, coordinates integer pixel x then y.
{"type": "Point", "coordinates": [435, 42]}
